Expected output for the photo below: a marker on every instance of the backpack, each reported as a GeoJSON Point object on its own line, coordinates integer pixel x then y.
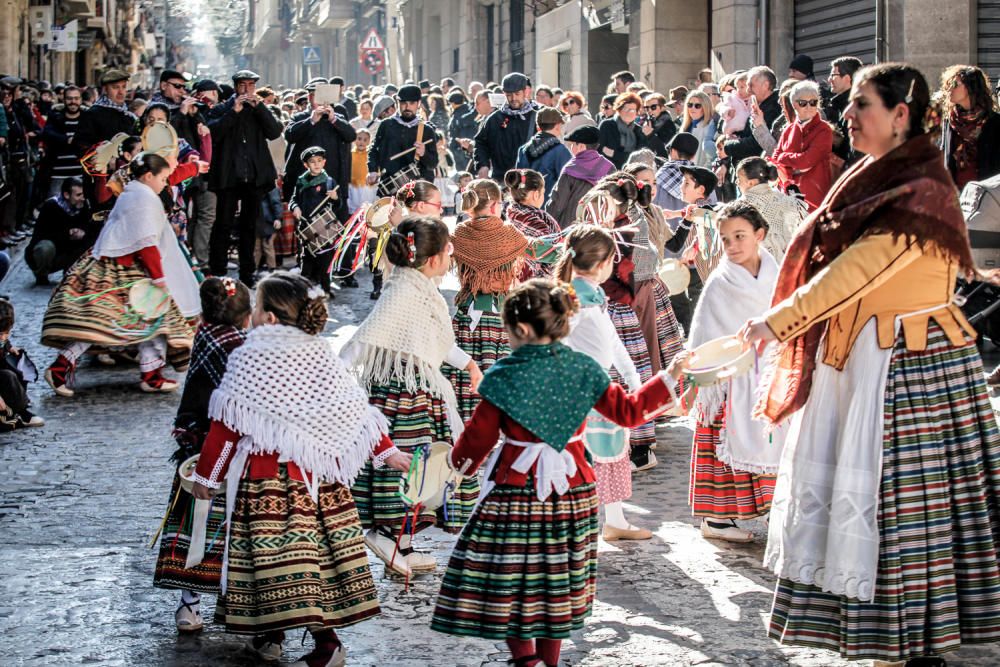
{"type": "Point", "coordinates": [980, 201]}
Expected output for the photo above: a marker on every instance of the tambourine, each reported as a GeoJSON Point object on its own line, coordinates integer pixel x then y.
{"type": "Point", "coordinates": [150, 301]}
{"type": "Point", "coordinates": [676, 276]}
{"type": "Point", "coordinates": [430, 480]}
{"type": "Point", "coordinates": [597, 208]}
{"type": "Point", "coordinates": [100, 216]}
{"type": "Point", "coordinates": [98, 161]}
{"type": "Point", "coordinates": [160, 138]}
{"type": "Point", "coordinates": [718, 360]}
{"type": "Point", "coordinates": [378, 217]}
{"type": "Point", "coordinates": [185, 471]}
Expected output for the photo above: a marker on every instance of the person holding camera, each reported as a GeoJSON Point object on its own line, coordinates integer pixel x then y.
{"type": "Point", "coordinates": [621, 135]}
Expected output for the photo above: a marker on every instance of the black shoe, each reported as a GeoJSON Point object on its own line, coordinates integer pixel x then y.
{"type": "Point", "coordinates": [42, 281]}
{"type": "Point", "coordinates": [349, 281]}
{"type": "Point", "coordinates": [375, 295]}
{"type": "Point", "coordinates": [926, 661]}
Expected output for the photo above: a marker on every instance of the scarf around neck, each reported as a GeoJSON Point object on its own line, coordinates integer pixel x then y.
{"type": "Point", "coordinates": [627, 133]}
{"type": "Point", "coordinates": [213, 343]}
{"type": "Point", "coordinates": [528, 107]}
{"type": "Point", "coordinates": [407, 123]}
{"type": "Point", "coordinates": [280, 388]}
{"type": "Point", "coordinates": [64, 205]}
{"type": "Point", "coordinates": [547, 389]}
{"type": "Point", "coordinates": [589, 166]}
{"type": "Point", "coordinates": [588, 294]}
{"type": "Point", "coordinates": [105, 101]}
{"type": "Point", "coordinates": [967, 126]}
{"type": "Point", "coordinates": [406, 337]}
{"type": "Point", "coordinates": [307, 180]}
{"type": "Point", "coordinates": [908, 192]}
{"type": "Point", "coordinates": [540, 144]}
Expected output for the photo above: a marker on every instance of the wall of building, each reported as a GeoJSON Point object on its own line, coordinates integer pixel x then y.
{"type": "Point", "coordinates": [14, 53]}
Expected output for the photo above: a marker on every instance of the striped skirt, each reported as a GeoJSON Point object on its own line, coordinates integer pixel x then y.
{"type": "Point", "coordinates": [486, 345]}
{"type": "Point", "coordinates": [175, 541]}
{"type": "Point", "coordinates": [522, 568]}
{"type": "Point", "coordinates": [668, 329]}
{"type": "Point", "coordinates": [415, 419]}
{"type": "Point", "coordinates": [938, 581]}
{"type": "Point", "coordinates": [716, 490]}
{"type": "Point", "coordinates": [76, 313]}
{"type": "Point", "coordinates": [293, 564]}
{"type": "Point", "coordinates": [627, 325]}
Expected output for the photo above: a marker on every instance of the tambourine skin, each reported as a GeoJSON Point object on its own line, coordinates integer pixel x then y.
{"type": "Point", "coordinates": [675, 276]}
{"type": "Point", "coordinates": [160, 138]}
{"type": "Point", "coordinates": [427, 481]}
{"type": "Point", "coordinates": [718, 360]}
{"type": "Point", "coordinates": [378, 215]}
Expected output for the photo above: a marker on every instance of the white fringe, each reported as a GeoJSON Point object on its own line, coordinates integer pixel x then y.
{"type": "Point", "coordinates": [329, 462]}
{"type": "Point", "coordinates": [380, 366]}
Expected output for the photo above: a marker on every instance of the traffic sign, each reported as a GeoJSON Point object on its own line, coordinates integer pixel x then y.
{"type": "Point", "coordinates": [373, 60]}
{"type": "Point", "coordinates": [310, 55]}
{"type": "Point", "coordinates": [372, 41]}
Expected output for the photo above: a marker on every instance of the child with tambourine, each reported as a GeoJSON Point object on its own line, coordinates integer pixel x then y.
{"type": "Point", "coordinates": [225, 312]}
{"type": "Point", "coordinates": [525, 566]}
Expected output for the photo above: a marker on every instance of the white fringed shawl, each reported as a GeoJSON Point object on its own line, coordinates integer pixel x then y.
{"type": "Point", "coordinates": [137, 221]}
{"type": "Point", "coordinates": [406, 337]}
{"type": "Point", "coordinates": [732, 296]}
{"type": "Point", "coordinates": [288, 392]}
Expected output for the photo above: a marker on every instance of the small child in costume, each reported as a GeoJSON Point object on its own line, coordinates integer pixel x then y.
{"type": "Point", "coordinates": [314, 193]}
{"type": "Point", "coordinates": [295, 553]}
{"type": "Point", "coordinates": [225, 310]}
{"type": "Point", "coordinates": [16, 371]}
{"type": "Point", "coordinates": [525, 566]}
{"type": "Point", "coordinates": [398, 352]}
{"type": "Point", "coordinates": [359, 192]}
{"type": "Point", "coordinates": [524, 211]}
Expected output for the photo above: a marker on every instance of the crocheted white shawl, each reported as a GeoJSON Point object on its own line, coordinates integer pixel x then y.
{"type": "Point", "coordinates": [406, 337]}
{"type": "Point", "coordinates": [289, 392]}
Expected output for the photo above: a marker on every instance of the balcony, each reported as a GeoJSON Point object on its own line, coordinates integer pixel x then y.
{"type": "Point", "coordinates": [267, 27]}
{"type": "Point", "coordinates": [334, 14]}
{"type": "Point", "coordinates": [75, 9]}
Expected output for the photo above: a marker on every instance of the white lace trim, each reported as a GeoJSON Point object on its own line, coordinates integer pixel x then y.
{"type": "Point", "coordinates": [379, 460]}
{"type": "Point", "coordinates": [195, 477]}
{"type": "Point", "coordinates": [219, 463]}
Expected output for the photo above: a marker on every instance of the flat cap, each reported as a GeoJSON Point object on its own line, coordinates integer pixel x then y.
{"type": "Point", "coordinates": [312, 151]}
{"type": "Point", "coordinates": [246, 75]}
{"type": "Point", "coordinates": [514, 82]}
{"type": "Point", "coordinates": [315, 81]}
{"type": "Point", "coordinates": [206, 85]}
{"type": "Point", "coordinates": [456, 97]}
{"type": "Point", "coordinates": [409, 93]}
{"type": "Point", "coordinates": [585, 134]}
{"type": "Point", "coordinates": [11, 82]}
{"type": "Point", "coordinates": [114, 76]}
{"type": "Point", "coordinates": [382, 102]}
{"type": "Point", "coordinates": [684, 142]}
{"type": "Point", "coordinates": [168, 74]}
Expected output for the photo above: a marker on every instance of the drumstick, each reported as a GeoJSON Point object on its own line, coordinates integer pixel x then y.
{"type": "Point", "coordinates": [322, 203]}
{"type": "Point", "coordinates": [408, 150]}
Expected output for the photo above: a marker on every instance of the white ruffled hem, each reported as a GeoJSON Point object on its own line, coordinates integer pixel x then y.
{"type": "Point", "coordinates": [855, 584]}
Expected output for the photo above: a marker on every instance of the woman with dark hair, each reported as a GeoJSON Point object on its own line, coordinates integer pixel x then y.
{"type": "Point", "coordinates": [438, 113]}
{"type": "Point", "coordinates": [783, 213]}
{"type": "Point", "coordinates": [620, 135]}
{"type": "Point", "coordinates": [970, 135]}
{"type": "Point", "coordinates": [885, 523]}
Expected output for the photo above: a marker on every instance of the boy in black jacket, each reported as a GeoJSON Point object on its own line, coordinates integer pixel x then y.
{"type": "Point", "coordinates": [314, 193]}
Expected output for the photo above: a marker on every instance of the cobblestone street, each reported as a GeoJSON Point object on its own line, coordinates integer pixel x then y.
{"type": "Point", "coordinates": [81, 498]}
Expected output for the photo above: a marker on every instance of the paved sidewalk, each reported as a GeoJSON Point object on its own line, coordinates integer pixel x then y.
{"type": "Point", "coordinates": [80, 498]}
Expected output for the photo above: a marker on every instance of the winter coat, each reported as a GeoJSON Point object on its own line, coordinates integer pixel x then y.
{"type": "Point", "coordinates": [802, 157]}
{"type": "Point", "coordinates": [745, 145]}
{"type": "Point", "coordinates": [498, 140]}
{"type": "Point", "coordinates": [241, 155]}
{"type": "Point", "coordinates": [611, 138]}
{"type": "Point", "coordinates": [462, 125]}
{"type": "Point", "coordinates": [335, 138]}
{"type": "Point", "coordinates": [547, 155]}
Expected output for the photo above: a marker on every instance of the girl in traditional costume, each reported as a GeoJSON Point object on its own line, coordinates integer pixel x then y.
{"type": "Point", "coordinates": [295, 554]}
{"type": "Point", "coordinates": [225, 310]}
{"type": "Point", "coordinates": [524, 568]}
{"type": "Point", "coordinates": [398, 352]}
{"type": "Point", "coordinates": [733, 462]}
{"type": "Point", "coordinates": [489, 255]}
{"type": "Point", "coordinates": [885, 526]}
{"type": "Point", "coordinates": [525, 212]}
{"type": "Point", "coordinates": [100, 302]}
{"type": "Point", "coordinates": [587, 261]}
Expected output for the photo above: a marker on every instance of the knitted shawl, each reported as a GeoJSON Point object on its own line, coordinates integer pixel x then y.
{"type": "Point", "coordinates": [290, 394]}
{"type": "Point", "coordinates": [405, 337]}
{"type": "Point", "coordinates": [489, 254]}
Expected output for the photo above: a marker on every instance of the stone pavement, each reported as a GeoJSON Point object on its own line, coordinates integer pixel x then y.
{"type": "Point", "coordinates": [80, 498]}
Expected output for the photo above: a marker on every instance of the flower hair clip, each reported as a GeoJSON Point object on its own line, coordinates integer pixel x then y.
{"type": "Point", "coordinates": [524, 178]}
{"type": "Point", "coordinates": [572, 293]}
{"type": "Point", "coordinates": [315, 292]}
{"type": "Point", "coordinates": [412, 245]}
{"type": "Point", "coordinates": [229, 285]}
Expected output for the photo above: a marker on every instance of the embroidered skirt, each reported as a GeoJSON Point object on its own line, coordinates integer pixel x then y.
{"type": "Point", "coordinates": [716, 490]}
{"type": "Point", "coordinates": [522, 568]}
{"type": "Point", "coordinates": [415, 419]}
{"type": "Point", "coordinates": [938, 581]}
{"type": "Point", "coordinates": [627, 325]}
{"type": "Point", "coordinates": [175, 541]}
{"type": "Point", "coordinates": [293, 564]}
{"type": "Point", "coordinates": [486, 345]}
{"type": "Point", "coordinates": [75, 314]}
{"type": "Point", "coordinates": [668, 329]}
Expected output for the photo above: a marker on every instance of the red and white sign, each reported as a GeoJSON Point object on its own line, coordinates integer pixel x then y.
{"type": "Point", "coordinates": [372, 42]}
{"type": "Point", "coordinates": [373, 60]}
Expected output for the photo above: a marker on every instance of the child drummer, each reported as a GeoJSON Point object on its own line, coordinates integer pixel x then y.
{"type": "Point", "coordinates": [315, 194]}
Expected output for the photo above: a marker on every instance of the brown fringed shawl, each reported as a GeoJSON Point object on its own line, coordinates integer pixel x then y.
{"type": "Point", "coordinates": [908, 192]}
{"type": "Point", "coordinates": [489, 253]}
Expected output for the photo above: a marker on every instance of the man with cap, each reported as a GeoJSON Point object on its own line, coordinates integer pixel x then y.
{"type": "Point", "coordinates": [581, 173]}
{"type": "Point", "coordinates": [206, 94]}
{"type": "Point", "coordinates": [383, 107]}
{"type": "Point", "coordinates": [21, 129]}
{"type": "Point", "coordinates": [320, 128]}
{"type": "Point", "coordinates": [398, 133]}
{"type": "Point", "coordinates": [462, 125]}
{"type": "Point", "coordinates": [242, 171]}
{"type": "Point", "coordinates": [545, 151]}
{"type": "Point", "coordinates": [681, 148]}
{"type": "Point", "coordinates": [108, 115]}
{"type": "Point", "coordinates": [505, 130]}
{"type": "Point", "coordinates": [185, 116]}
{"type": "Point", "coordinates": [350, 106]}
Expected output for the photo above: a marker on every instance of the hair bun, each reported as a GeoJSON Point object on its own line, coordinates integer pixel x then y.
{"type": "Point", "coordinates": [313, 314]}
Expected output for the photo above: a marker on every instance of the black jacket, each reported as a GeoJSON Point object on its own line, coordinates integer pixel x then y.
{"type": "Point", "coordinates": [611, 137]}
{"type": "Point", "coordinates": [53, 225]}
{"type": "Point", "coordinates": [834, 112]}
{"type": "Point", "coordinates": [99, 124]}
{"type": "Point", "coordinates": [462, 125]}
{"type": "Point", "coordinates": [393, 137]}
{"type": "Point", "coordinates": [334, 137]}
{"type": "Point", "coordinates": [240, 154]}
{"type": "Point", "coordinates": [989, 149]}
{"type": "Point", "coordinates": [498, 139]}
{"type": "Point", "coordinates": [745, 145]}
{"type": "Point", "coordinates": [664, 130]}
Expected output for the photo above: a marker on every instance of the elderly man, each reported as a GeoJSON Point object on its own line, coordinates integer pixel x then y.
{"type": "Point", "coordinates": [63, 232]}
{"type": "Point", "coordinates": [320, 126]}
{"type": "Point", "coordinates": [505, 130]}
{"type": "Point", "coordinates": [108, 115]}
{"type": "Point", "coordinates": [242, 171]}
{"type": "Point", "coordinates": [763, 86]}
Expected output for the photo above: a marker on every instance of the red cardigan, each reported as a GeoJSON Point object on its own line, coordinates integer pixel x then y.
{"type": "Point", "coordinates": [488, 421]}
{"type": "Point", "coordinates": [802, 157]}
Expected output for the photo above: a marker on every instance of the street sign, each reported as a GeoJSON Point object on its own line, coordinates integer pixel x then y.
{"type": "Point", "coordinates": [373, 60]}
{"type": "Point", "coordinates": [372, 41]}
{"type": "Point", "coordinates": [41, 24]}
{"type": "Point", "coordinates": [310, 55]}
{"type": "Point", "coordinates": [64, 37]}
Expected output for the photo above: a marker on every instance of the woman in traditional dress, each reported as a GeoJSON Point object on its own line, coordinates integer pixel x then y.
{"type": "Point", "coordinates": [225, 310]}
{"type": "Point", "coordinates": [524, 569]}
{"type": "Point", "coordinates": [92, 309]}
{"type": "Point", "coordinates": [884, 527]}
{"type": "Point", "coordinates": [783, 213]}
{"type": "Point", "coordinates": [733, 462]}
{"type": "Point", "coordinates": [489, 254]}
{"type": "Point", "coordinates": [398, 352]}
{"type": "Point", "coordinates": [295, 556]}
{"type": "Point", "coordinates": [524, 211]}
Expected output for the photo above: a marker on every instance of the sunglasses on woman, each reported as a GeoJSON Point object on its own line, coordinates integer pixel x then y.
{"type": "Point", "coordinates": [694, 105]}
{"type": "Point", "coordinates": [569, 102]}
{"type": "Point", "coordinates": [807, 103]}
